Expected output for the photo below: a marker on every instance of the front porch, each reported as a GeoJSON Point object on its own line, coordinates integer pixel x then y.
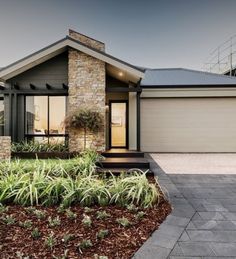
{"type": "Point", "coordinates": [122, 114]}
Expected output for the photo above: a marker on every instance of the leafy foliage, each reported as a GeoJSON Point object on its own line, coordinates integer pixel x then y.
{"type": "Point", "coordinates": [84, 119]}
{"type": "Point", "coordinates": [66, 182]}
{"type": "Point", "coordinates": [35, 233]}
{"type": "Point", "coordinates": [26, 224]}
{"type": "Point", "coordinates": [8, 220]}
{"type": "Point", "coordinates": [102, 233]}
{"type": "Point", "coordinates": [32, 146]}
{"type": "Point", "coordinates": [50, 241]}
{"type": "Point", "coordinates": [124, 222]}
{"type": "Point", "coordinates": [87, 222]}
{"type": "Point", "coordinates": [102, 215]}
{"type": "Point", "coordinates": [86, 243]}
{"type": "Point", "coordinates": [53, 222]}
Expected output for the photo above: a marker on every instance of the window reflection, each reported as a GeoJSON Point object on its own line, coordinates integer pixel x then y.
{"type": "Point", "coordinates": [57, 109]}
{"type": "Point", "coordinates": [44, 118]}
{"type": "Point", "coordinates": [36, 115]}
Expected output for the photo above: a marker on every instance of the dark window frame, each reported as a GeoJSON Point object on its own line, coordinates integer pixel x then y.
{"type": "Point", "coordinates": [48, 135]}
{"type": "Point", "coordinates": [2, 99]}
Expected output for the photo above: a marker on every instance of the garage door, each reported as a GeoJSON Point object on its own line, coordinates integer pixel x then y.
{"type": "Point", "coordinates": [188, 125]}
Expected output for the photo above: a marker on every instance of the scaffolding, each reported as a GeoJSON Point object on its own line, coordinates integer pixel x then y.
{"type": "Point", "coordinates": [222, 60]}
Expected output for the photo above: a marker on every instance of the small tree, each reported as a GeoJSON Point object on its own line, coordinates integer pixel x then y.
{"type": "Point", "coordinates": [84, 119]}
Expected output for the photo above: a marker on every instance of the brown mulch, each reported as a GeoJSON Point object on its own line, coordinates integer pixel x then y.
{"type": "Point", "coordinates": [122, 242]}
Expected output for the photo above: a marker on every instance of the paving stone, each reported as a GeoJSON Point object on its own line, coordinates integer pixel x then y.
{"type": "Point", "coordinates": [191, 225]}
{"type": "Point", "coordinates": [213, 207]}
{"type": "Point", "coordinates": [168, 230]}
{"type": "Point", "coordinates": [177, 221]}
{"type": "Point", "coordinates": [224, 249]}
{"type": "Point", "coordinates": [212, 225]}
{"type": "Point", "coordinates": [229, 215]}
{"type": "Point", "coordinates": [184, 237]}
{"type": "Point", "coordinates": [195, 249]}
{"type": "Point", "coordinates": [196, 216]}
{"type": "Point", "coordinates": [152, 252]}
{"type": "Point", "coordinates": [201, 235]}
{"type": "Point", "coordinates": [212, 215]}
{"type": "Point", "coordinates": [162, 240]}
{"type": "Point", "coordinates": [217, 257]}
{"type": "Point", "coordinates": [184, 257]}
{"type": "Point", "coordinates": [182, 212]}
{"type": "Point", "coordinates": [230, 207]}
{"type": "Point", "coordinates": [177, 251]}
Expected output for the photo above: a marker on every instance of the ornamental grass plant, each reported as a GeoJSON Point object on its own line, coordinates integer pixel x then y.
{"type": "Point", "coordinates": [72, 181]}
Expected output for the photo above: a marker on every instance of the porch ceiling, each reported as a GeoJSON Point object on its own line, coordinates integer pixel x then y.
{"type": "Point", "coordinates": [121, 75]}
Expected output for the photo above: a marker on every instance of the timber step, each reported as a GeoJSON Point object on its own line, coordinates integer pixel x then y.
{"type": "Point", "coordinates": [122, 153]}
{"type": "Point", "coordinates": [125, 162]}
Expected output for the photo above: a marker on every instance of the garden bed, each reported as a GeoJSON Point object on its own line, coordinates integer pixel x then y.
{"type": "Point", "coordinates": [120, 242]}
{"type": "Point", "coordinates": [123, 210]}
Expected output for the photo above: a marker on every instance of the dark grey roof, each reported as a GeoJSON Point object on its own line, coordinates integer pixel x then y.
{"type": "Point", "coordinates": [173, 77]}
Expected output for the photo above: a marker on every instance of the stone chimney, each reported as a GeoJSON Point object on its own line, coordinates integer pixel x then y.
{"type": "Point", "coordinates": [87, 40]}
{"type": "Point", "coordinates": [86, 78]}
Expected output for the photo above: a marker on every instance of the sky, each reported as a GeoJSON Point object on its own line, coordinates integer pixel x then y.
{"type": "Point", "coordinates": [150, 33]}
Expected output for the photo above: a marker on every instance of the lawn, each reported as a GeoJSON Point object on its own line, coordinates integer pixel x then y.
{"type": "Point", "coordinates": [64, 209]}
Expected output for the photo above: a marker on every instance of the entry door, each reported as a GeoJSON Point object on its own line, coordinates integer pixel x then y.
{"type": "Point", "coordinates": [118, 124]}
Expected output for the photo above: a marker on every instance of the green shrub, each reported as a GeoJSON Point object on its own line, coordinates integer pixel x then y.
{"type": "Point", "coordinates": [124, 222]}
{"type": "Point", "coordinates": [86, 243]}
{"type": "Point", "coordinates": [102, 233]}
{"type": "Point", "coordinates": [70, 214]}
{"type": "Point", "coordinates": [50, 241]}
{"type": "Point", "coordinates": [87, 222]}
{"type": "Point", "coordinates": [132, 207]}
{"type": "Point", "coordinates": [26, 224]}
{"type": "Point", "coordinates": [3, 208]}
{"type": "Point", "coordinates": [32, 146]}
{"type": "Point", "coordinates": [72, 181]}
{"type": "Point", "coordinates": [68, 237]}
{"type": "Point", "coordinates": [40, 214]}
{"type": "Point", "coordinates": [140, 215]}
{"type": "Point", "coordinates": [53, 222]}
{"type": "Point", "coordinates": [102, 214]}
{"type": "Point", "coordinates": [35, 233]}
{"type": "Point", "coordinates": [8, 220]}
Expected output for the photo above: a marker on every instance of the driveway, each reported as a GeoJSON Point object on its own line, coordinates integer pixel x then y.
{"type": "Point", "coordinates": [203, 221]}
{"type": "Point", "coordinates": [197, 163]}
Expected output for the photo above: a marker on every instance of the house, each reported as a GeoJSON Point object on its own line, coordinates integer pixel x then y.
{"type": "Point", "coordinates": [153, 110]}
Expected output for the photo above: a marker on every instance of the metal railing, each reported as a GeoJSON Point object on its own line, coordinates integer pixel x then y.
{"type": "Point", "coordinates": [222, 60]}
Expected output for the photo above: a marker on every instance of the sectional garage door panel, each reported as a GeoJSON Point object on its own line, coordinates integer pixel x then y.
{"type": "Point", "coordinates": [188, 125]}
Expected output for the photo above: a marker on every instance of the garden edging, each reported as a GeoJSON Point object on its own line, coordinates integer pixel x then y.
{"type": "Point", "coordinates": [162, 241]}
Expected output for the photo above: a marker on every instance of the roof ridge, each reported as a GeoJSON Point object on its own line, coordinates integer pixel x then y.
{"type": "Point", "coordinates": [209, 73]}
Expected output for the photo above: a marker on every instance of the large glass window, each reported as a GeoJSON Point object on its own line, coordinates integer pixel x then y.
{"type": "Point", "coordinates": [44, 117]}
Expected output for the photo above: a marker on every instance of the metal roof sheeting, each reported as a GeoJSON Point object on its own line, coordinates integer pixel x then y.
{"type": "Point", "coordinates": [184, 77]}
